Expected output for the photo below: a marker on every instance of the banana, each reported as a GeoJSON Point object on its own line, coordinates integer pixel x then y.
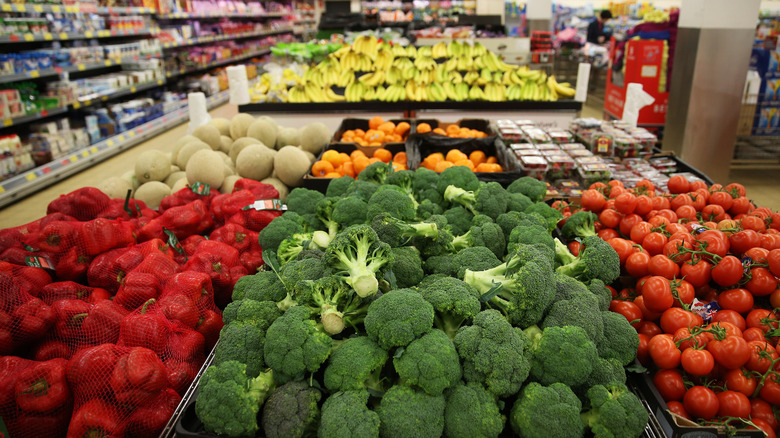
{"type": "Point", "coordinates": [449, 90]}
{"type": "Point", "coordinates": [411, 51]}
{"type": "Point", "coordinates": [424, 52]}
{"type": "Point", "coordinates": [462, 90]}
{"type": "Point", "coordinates": [454, 77]}
{"type": "Point", "coordinates": [369, 94]}
{"type": "Point", "coordinates": [436, 92]}
{"type": "Point", "coordinates": [333, 96]}
{"type": "Point", "coordinates": [439, 50]}
{"type": "Point", "coordinates": [561, 89]}
{"type": "Point", "coordinates": [476, 93]}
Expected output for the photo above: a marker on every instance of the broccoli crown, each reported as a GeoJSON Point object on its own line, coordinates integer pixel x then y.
{"type": "Point", "coordinates": [620, 340]}
{"type": "Point", "coordinates": [453, 300]}
{"type": "Point", "coordinates": [375, 173]}
{"type": "Point", "coordinates": [324, 214]}
{"type": "Point", "coordinates": [429, 363]}
{"type": "Point", "coordinates": [303, 201]}
{"type": "Point", "coordinates": [597, 259]}
{"type": "Point", "coordinates": [492, 352]}
{"type": "Point", "coordinates": [614, 412]}
{"type": "Point", "coordinates": [338, 186]}
{"type": "Point", "coordinates": [459, 176]}
{"type": "Point", "coordinates": [398, 317]}
{"type": "Point", "coordinates": [517, 201]}
{"type": "Point", "coordinates": [279, 229]}
{"type": "Point", "coordinates": [311, 253]}
{"type": "Point", "coordinates": [424, 179]}
{"type": "Point", "coordinates": [440, 264]}
{"type": "Point", "coordinates": [291, 411]}
{"type": "Point", "coordinates": [551, 216]}
{"type": "Point", "coordinates": [581, 311]}
{"type": "Point", "coordinates": [294, 345]}
{"type": "Point", "coordinates": [427, 208]}
{"type": "Point", "coordinates": [228, 401]}
{"type": "Point", "coordinates": [534, 189]}
{"type": "Point", "coordinates": [406, 413]}
{"type": "Point", "coordinates": [579, 224]}
{"type": "Point", "coordinates": [436, 245]}
{"type": "Point", "coordinates": [393, 202]}
{"type": "Point", "coordinates": [242, 343]}
{"type": "Point", "coordinates": [261, 314]}
{"type": "Point", "coordinates": [296, 271]}
{"type": "Point", "coordinates": [488, 235]}
{"type": "Point", "coordinates": [430, 279]}
{"type": "Point", "coordinates": [567, 288]}
{"type": "Point", "coordinates": [561, 354]}
{"type": "Point", "coordinates": [355, 364]}
{"type": "Point", "coordinates": [472, 412]}
{"type": "Point", "coordinates": [475, 258]}
{"type": "Point", "coordinates": [361, 189]}
{"type": "Point", "coordinates": [538, 404]}
{"type": "Point", "coordinates": [263, 286]}
{"type": "Point", "coordinates": [290, 247]}
{"type": "Point", "coordinates": [513, 219]}
{"type": "Point", "coordinates": [605, 372]}
{"type": "Point", "coordinates": [350, 211]}
{"type": "Point", "coordinates": [356, 255]}
{"type": "Point", "coordinates": [407, 266]}
{"type": "Point", "coordinates": [333, 301]}
{"type": "Point", "coordinates": [481, 219]}
{"type": "Point", "coordinates": [459, 219]}
{"type": "Point", "coordinates": [397, 232]}
{"type": "Point", "coordinates": [599, 289]}
{"type": "Point", "coordinates": [345, 415]}
{"type": "Point", "coordinates": [403, 179]}
{"type": "Point", "coordinates": [490, 199]}
{"type": "Point", "coordinates": [529, 235]}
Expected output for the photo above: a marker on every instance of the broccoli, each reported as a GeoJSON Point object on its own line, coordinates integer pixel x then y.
{"type": "Point", "coordinates": [517, 202]}
{"type": "Point", "coordinates": [291, 411]}
{"type": "Point", "coordinates": [430, 279]}
{"type": "Point", "coordinates": [600, 290]}
{"type": "Point", "coordinates": [481, 219]}
{"type": "Point", "coordinates": [537, 405]}
{"type": "Point", "coordinates": [424, 183]}
{"type": "Point", "coordinates": [614, 411]}
{"type": "Point", "coordinates": [529, 235]}
{"type": "Point", "coordinates": [345, 415]}
{"type": "Point", "coordinates": [429, 363]}
{"type": "Point", "coordinates": [324, 213]}
{"type": "Point", "coordinates": [296, 271]}
{"type": "Point", "coordinates": [279, 229]}
{"type": "Point", "coordinates": [493, 353]}
{"type": "Point", "coordinates": [605, 372]}
{"type": "Point", "coordinates": [311, 253]}
{"type": "Point", "coordinates": [242, 343]}
{"type": "Point", "coordinates": [263, 286]}
{"type": "Point", "coordinates": [441, 264]}
{"type": "Point", "coordinates": [290, 247]}
{"type": "Point", "coordinates": [581, 310]}
{"type": "Point", "coordinates": [356, 255]}
{"type": "Point", "coordinates": [350, 211]}
{"type": "Point", "coordinates": [459, 176]}
{"type": "Point", "coordinates": [551, 216]}
{"type": "Point", "coordinates": [513, 219]}
{"type": "Point", "coordinates": [338, 186]}
{"type": "Point", "coordinates": [427, 208]}
{"type": "Point", "coordinates": [434, 246]}
{"type": "Point", "coordinates": [405, 180]}
{"type": "Point", "coordinates": [490, 199]}
{"type": "Point", "coordinates": [597, 259]}
{"type": "Point", "coordinates": [393, 203]}
{"type": "Point", "coordinates": [361, 189]}
{"type": "Point", "coordinates": [375, 173]}
{"type": "Point", "coordinates": [355, 364]}
{"type": "Point", "coordinates": [620, 340]}
{"type": "Point", "coordinates": [561, 354]}
{"type": "Point", "coordinates": [396, 232]}
{"type": "Point", "coordinates": [303, 201]}
{"type": "Point", "coordinates": [258, 313]}
{"type": "Point", "coordinates": [476, 258]}
{"type": "Point", "coordinates": [406, 413]}
{"type": "Point", "coordinates": [472, 412]}
{"type": "Point", "coordinates": [567, 288]}
{"type": "Point", "coordinates": [488, 235]}
{"type": "Point", "coordinates": [522, 287]}
{"type": "Point", "coordinates": [398, 317]}
{"type": "Point", "coordinates": [454, 302]}
{"type": "Point", "coordinates": [579, 224]}
{"type": "Point", "coordinates": [407, 266]}
{"type": "Point", "coordinates": [333, 301]}
{"type": "Point", "coordinates": [459, 219]}
{"type": "Point", "coordinates": [294, 344]}
{"type": "Point", "coordinates": [228, 401]}
{"type": "Point", "coordinates": [534, 189]}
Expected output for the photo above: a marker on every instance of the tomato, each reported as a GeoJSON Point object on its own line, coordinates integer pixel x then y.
{"type": "Point", "coordinates": [610, 218]}
{"type": "Point", "coordinates": [759, 409]}
{"type": "Point", "coordinates": [765, 427]}
{"type": "Point", "coordinates": [763, 282]}
{"type": "Point", "coordinates": [574, 248]}
{"type": "Point", "coordinates": [701, 402]}
{"type": "Point", "coordinates": [658, 221]}
{"type": "Point", "coordinates": [731, 316]}
{"type": "Point", "coordinates": [628, 222]}
{"type": "Point", "coordinates": [685, 293]}
{"type": "Point", "coordinates": [628, 309]}
{"type": "Point", "coordinates": [647, 314]}
{"type": "Point", "coordinates": [639, 231]}
{"type": "Point", "coordinates": [644, 204]}
{"type": "Point", "coordinates": [761, 356]}
{"type": "Point", "coordinates": [763, 319]}
{"type": "Point", "coordinates": [643, 352]}
{"type": "Point", "coordinates": [664, 352]}
{"type": "Point", "coordinates": [774, 299]}
{"type": "Point", "coordinates": [686, 213]}
{"type": "Point", "coordinates": [669, 384]}
{"type": "Point", "coordinates": [733, 404]}
{"type": "Point", "coordinates": [728, 271]}
{"type": "Point", "coordinates": [625, 203]}
{"type": "Point", "coordinates": [661, 265]}
{"type": "Point", "coordinates": [753, 334]}
{"type": "Point", "coordinates": [597, 185]}
{"type": "Point", "coordinates": [636, 264]}
{"type": "Point", "coordinates": [623, 247]}
{"type": "Point", "coordinates": [713, 241]}
{"type": "Point", "coordinates": [770, 241]}
{"type": "Point", "coordinates": [730, 353]}
{"type": "Point", "coordinates": [593, 200]}
{"type": "Point", "coordinates": [680, 200]}
{"type": "Point", "coordinates": [707, 293]}
{"type": "Point", "coordinates": [677, 408]}
{"type": "Point", "coordinates": [654, 243]}
{"type": "Point", "coordinates": [698, 274]}
{"type": "Point", "coordinates": [675, 228]}
{"type": "Point", "coordinates": [758, 255]}
{"type": "Point", "coordinates": [660, 203]}
{"type": "Point", "coordinates": [712, 212]}
{"type": "Point", "coordinates": [649, 328]}
{"type": "Point", "coordinates": [608, 233]}
{"type": "Point", "coordinates": [678, 184]}
{"type": "Point", "coordinates": [739, 300]}
{"type": "Point", "coordinates": [736, 189]}
{"type": "Point", "coordinates": [740, 205]}
{"type": "Point", "coordinates": [731, 329]}
{"type": "Point", "coordinates": [775, 218]}
{"type": "Point", "coordinates": [699, 185]}
{"type": "Point", "coordinates": [770, 392]}
{"type": "Point", "coordinates": [657, 294]}
{"type": "Point", "coordinates": [741, 381]}
{"type": "Point", "coordinates": [676, 318]}
{"type": "Point", "coordinates": [753, 223]}
{"type": "Point", "coordinates": [697, 362]}
{"type": "Point", "coordinates": [675, 250]}
{"type": "Point", "coordinates": [722, 198]}
{"type": "Point", "coordinates": [684, 339]}
{"type": "Point", "coordinates": [743, 241]}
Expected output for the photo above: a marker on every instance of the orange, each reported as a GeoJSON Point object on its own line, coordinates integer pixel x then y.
{"type": "Point", "coordinates": [400, 158]}
{"type": "Point", "coordinates": [452, 129]}
{"type": "Point", "coordinates": [440, 131]}
{"type": "Point", "coordinates": [356, 153]}
{"type": "Point", "coordinates": [455, 155]}
{"type": "Point", "coordinates": [387, 127]}
{"type": "Point", "coordinates": [492, 160]}
{"type": "Point", "coordinates": [383, 154]}
{"type": "Point", "coordinates": [373, 160]}
{"type": "Point", "coordinates": [343, 158]}
{"type": "Point", "coordinates": [402, 128]}
{"type": "Point", "coordinates": [477, 157]}
{"type": "Point", "coordinates": [466, 163]}
{"type": "Point", "coordinates": [374, 136]}
{"type": "Point", "coordinates": [422, 128]}
{"type": "Point", "coordinates": [484, 167]}
{"type": "Point", "coordinates": [375, 122]}
{"type": "Point", "coordinates": [321, 168]}
{"type": "Point", "coordinates": [332, 175]}
{"type": "Point", "coordinates": [348, 169]}
{"type": "Point", "coordinates": [331, 156]}
{"type": "Point", "coordinates": [441, 165]}
{"type": "Point", "coordinates": [465, 132]}
{"type": "Point", "coordinates": [399, 166]}
{"type": "Point", "coordinates": [360, 133]}
{"type": "Point", "coordinates": [360, 163]}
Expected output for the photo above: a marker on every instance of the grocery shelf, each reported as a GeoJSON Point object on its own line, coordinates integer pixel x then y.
{"type": "Point", "coordinates": [320, 107]}
{"type": "Point", "coordinates": [189, 15]}
{"type": "Point", "coordinates": [215, 38]}
{"type": "Point", "coordinates": [308, 20]}
{"type": "Point", "coordinates": [185, 71]}
{"type": "Point", "coordinates": [118, 93]}
{"type": "Point", "coordinates": [35, 74]}
{"type": "Point", "coordinates": [74, 9]}
{"type": "Point", "coordinates": [27, 118]}
{"type": "Point", "coordinates": [65, 36]}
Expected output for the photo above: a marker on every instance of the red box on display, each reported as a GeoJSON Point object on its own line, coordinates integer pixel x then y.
{"type": "Point", "coordinates": [644, 65]}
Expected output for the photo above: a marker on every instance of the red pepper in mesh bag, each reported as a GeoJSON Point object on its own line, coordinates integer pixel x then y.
{"type": "Point", "coordinates": [260, 190]}
{"type": "Point", "coordinates": [71, 290]}
{"type": "Point", "coordinates": [149, 420]}
{"type": "Point", "coordinates": [52, 349]}
{"type": "Point", "coordinates": [57, 237]}
{"type": "Point", "coordinates": [180, 375]}
{"type": "Point", "coordinates": [145, 329]}
{"type": "Point", "coordinates": [137, 288]}
{"type": "Point", "coordinates": [17, 255]}
{"type": "Point", "coordinates": [42, 387]}
{"type": "Point", "coordinates": [216, 259]}
{"type": "Point", "coordinates": [48, 425]}
{"type": "Point", "coordinates": [100, 235]}
{"type": "Point", "coordinates": [126, 209]}
{"type": "Point", "coordinates": [194, 285]}
{"type": "Point", "coordinates": [83, 204]}
{"type": "Point", "coordinates": [102, 324]}
{"type": "Point", "coordinates": [10, 238]}
{"type": "Point", "coordinates": [253, 219]}
{"type": "Point", "coordinates": [11, 295]}
{"type": "Point", "coordinates": [190, 244]}
{"type": "Point", "coordinates": [183, 221]}
{"type": "Point", "coordinates": [251, 260]}
{"type": "Point", "coordinates": [96, 418]}
{"type": "Point", "coordinates": [33, 320]}
{"type": "Point", "coordinates": [160, 265]}
{"type": "Point", "coordinates": [70, 315]}
{"type": "Point", "coordinates": [186, 345]}
{"type": "Point", "coordinates": [234, 235]}
{"type": "Point", "coordinates": [6, 336]}
{"type": "Point", "coordinates": [89, 371]}
{"type": "Point", "coordinates": [184, 197]}
{"type": "Point", "coordinates": [179, 307]}
{"type": "Point", "coordinates": [227, 204]}
{"type": "Point", "coordinates": [209, 326]}
{"type": "Point", "coordinates": [73, 265]}
{"type": "Point", "coordinates": [156, 246]}
{"type": "Point", "coordinates": [139, 376]}
{"type": "Point", "coordinates": [110, 268]}
{"type": "Point", "coordinates": [29, 279]}
{"type": "Point", "coordinates": [10, 367]}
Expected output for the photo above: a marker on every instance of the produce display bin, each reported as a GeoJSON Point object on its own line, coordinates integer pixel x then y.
{"type": "Point", "coordinates": [321, 184]}
{"type": "Point", "coordinates": [188, 401]}
{"type": "Point", "coordinates": [351, 124]}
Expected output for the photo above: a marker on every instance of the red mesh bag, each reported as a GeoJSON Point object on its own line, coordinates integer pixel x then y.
{"type": "Point", "coordinates": [146, 280]}
{"type": "Point", "coordinates": [188, 298]}
{"type": "Point", "coordinates": [253, 219]}
{"type": "Point", "coordinates": [245, 241]}
{"type": "Point", "coordinates": [83, 204]}
{"type": "Point", "coordinates": [227, 204]}
{"type": "Point", "coordinates": [127, 209]}
{"type": "Point", "coordinates": [24, 319]}
{"type": "Point", "coordinates": [17, 237]}
{"type": "Point", "coordinates": [221, 262]}
{"type": "Point", "coordinates": [109, 269]}
{"type": "Point", "coordinates": [183, 221]}
{"type": "Point", "coordinates": [184, 197]}
{"type": "Point", "coordinates": [72, 290]}
{"type": "Point", "coordinates": [51, 349]}
{"type": "Point", "coordinates": [31, 280]}
{"type": "Point", "coordinates": [258, 189]}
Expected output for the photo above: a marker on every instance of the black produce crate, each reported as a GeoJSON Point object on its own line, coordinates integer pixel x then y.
{"type": "Point", "coordinates": [348, 124]}
{"type": "Point", "coordinates": [321, 184]}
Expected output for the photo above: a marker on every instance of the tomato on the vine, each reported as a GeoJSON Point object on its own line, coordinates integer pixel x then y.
{"type": "Point", "coordinates": [763, 410]}
{"type": "Point", "coordinates": [770, 241]}
{"type": "Point", "coordinates": [765, 427]}
{"type": "Point", "coordinates": [753, 223]}
{"type": "Point", "coordinates": [628, 309]}
{"type": "Point", "coordinates": [697, 362]}
{"type": "Point", "coordinates": [678, 184]}
{"type": "Point", "coordinates": [739, 300]}
{"type": "Point", "coordinates": [722, 198]}
{"type": "Point", "coordinates": [639, 231]}
{"type": "Point", "coordinates": [593, 200]}
{"type": "Point", "coordinates": [685, 293]}
{"type": "Point", "coordinates": [669, 384]}
{"type": "Point", "coordinates": [757, 254]}
{"type": "Point", "coordinates": [730, 353]}
{"type": "Point", "coordinates": [644, 204]}
{"type": "Point", "coordinates": [762, 282]}
{"type": "Point", "coordinates": [627, 222]}
{"type": "Point", "coordinates": [654, 243]}
{"type": "Point", "coordinates": [677, 408]}
{"type": "Point", "coordinates": [647, 314]}
{"type": "Point", "coordinates": [774, 299]}
{"type": "Point", "coordinates": [625, 203]}
{"type": "Point", "coordinates": [726, 315]}
{"type": "Point", "coordinates": [697, 273]}
{"type": "Point", "coordinates": [610, 218]}
{"type": "Point", "coordinates": [736, 189]}
{"type": "Point", "coordinates": [657, 294]}
{"type": "Point", "coordinates": [770, 392]}
{"type": "Point", "coordinates": [701, 402]}
{"type": "Point", "coordinates": [660, 203]}
{"type": "Point", "coordinates": [608, 233]}
{"type": "Point", "coordinates": [764, 319]}
{"type": "Point", "coordinates": [761, 356]}
{"type": "Point", "coordinates": [733, 404]}
{"type": "Point", "coordinates": [637, 264]}
{"type": "Point", "coordinates": [713, 212]}
{"type": "Point", "coordinates": [649, 328]}
{"type": "Point", "coordinates": [753, 334]}
{"type": "Point", "coordinates": [740, 205]}
{"type": "Point", "coordinates": [643, 351]}
{"type": "Point", "coordinates": [664, 352]}
{"type": "Point", "coordinates": [623, 247]}
{"type": "Point", "coordinates": [743, 241]}
{"type": "Point", "coordinates": [661, 265]}
{"type": "Point", "coordinates": [686, 213]}
{"type": "Point", "coordinates": [676, 318]}
{"type": "Point", "coordinates": [728, 271]}
{"type": "Point", "coordinates": [740, 380]}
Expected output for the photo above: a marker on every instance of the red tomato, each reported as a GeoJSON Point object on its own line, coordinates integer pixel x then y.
{"type": "Point", "coordinates": [770, 392]}
{"type": "Point", "coordinates": [736, 189]}
{"type": "Point", "coordinates": [660, 203]}
{"type": "Point", "coordinates": [647, 314]}
{"type": "Point", "coordinates": [763, 319]}
{"type": "Point", "coordinates": [677, 408]}
{"type": "Point", "coordinates": [685, 293]}
{"type": "Point", "coordinates": [765, 427]}
{"type": "Point", "coordinates": [628, 309]}
{"type": "Point", "coordinates": [658, 221]}
{"type": "Point", "coordinates": [739, 300]}
{"type": "Point", "coordinates": [761, 356]}
{"type": "Point", "coordinates": [731, 316]}
{"type": "Point", "coordinates": [675, 228]}
{"type": "Point", "coordinates": [730, 353]}
{"type": "Point", "coordinates": [625, 203]}
{"type": "Point", "coordinates": [684, 339]}
{"type": "Point", "coordinates": [628, 222]}
{"type": "Point", "coordinates": [774, 299]}
{"type": "Point", "coordinates": [574, 248]}
{"type": "Point", "coordinates": [623, 247]}
{"type": "Point", "coordinates": [686, 213]}
{"type": "Point", "coordinates": [743, 241]}
{"type": "Point", "coordinates": [657, 294]}
{"type": "Point", "coordinates": [758, 255]}
{"type": "Point", "coordinates": [637, 264]}
{"type": "Point", "coordinates": [643, 352]}
{"type": "Point", "coordinates": [639, 231]}
{"type": "Point", "coordinates": [763, 411]}
{"type": "Point", "coordinates": [680, 200]}
{"type": "Point", "coordinates": [740, 205]}
{"type": "Point", "coordinates": [593, 200]}
{"type": "Point", "coordinates": [649, 328]}
{"type": "Point", "coordinates": [733, 404]}
{"type": "Point", "coordinates": [678, 184]}
{"type": "Point", "coordinates": [616, 191]}
{"type": "Point", "coordinates": [713, 212]}
{"type": "Point", "coordinates": [697, 274]}
{"type": "Point", "coordinates": [675, 250]}
{"type": "Point", "coordinates": [661, 265]}
{"type": "Point", "coordinates": [741, 381]}
{"type": "Point", "coordinates": [753, 223]}
{"type": "Point", "coordinates": [697, 362]}
{"type": "Point", "coordinates": [664, 352]}
{"type": "Point", "coordinates": [763, 282]}
{"type": "Point", "coordinates": [644, 204]}
{"type": "Point", "coordinates": [753, 334]}
{"type": "Point", "coordinates": [669, 384]}
{"type": "Point", "coordinates": [713, 241]}
{"type": "Point", "coordinates": [654, 243]}
{"type": "Point", "coordinates": [610, 218]}
{"type": "Point", "coordinates": [676, 318]}
{"type": "Point", "coordinates": [722, 198]}
{"type": "Point", "coordinates": [701, 402]}
{"type": "Point", "coordinates": [728, 271]}
{"type": "Point", "coordinates": [608, 233]}
{"type": "Point", "coordinates": [770, 241]}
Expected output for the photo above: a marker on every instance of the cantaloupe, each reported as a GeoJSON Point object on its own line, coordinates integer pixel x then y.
{"type": "Point", "coordinates": [314, 137]}
{"type": "Point", "coordinates": [240, 144]}
{"type": "Point", "coordinates": [152, 165]}
{"type": "Point", "coordinates": [240, 124]}
{"type": "Point", "coordinates": [229, 183]}
{"type": "Point", "coordinates": [129, 176]}
{"type": "Point", "coordinates": [280, 187]}
{"type": "Point", "coordinates": [226, 159]}
{"type": "Point", "coordinates": [226, 143]}
{"type": "Point", "coordinates": [175, 168]}
{"type": "Point", "coordinates": [255, 162]}
{"type": "Point", "coordinates": [188, 150]}
{"type": "Point", "coordinates": [271, 121]}
{"type": "Point", "coordinates": [175, 176]}
{"type": "Point", "coordinates": [288, 137]}
{"type": "Point", "coordinates": [115, 187]}
{"type": "Point", "coordinates": [291, 164]}
{"type": "Point", "coordinates": [178, 185]}
{"type": "Point", "coordinates": [264, 131]}
{"type": "Point", "coordinates": [228, 171]}
{"type": "Point", "coordinates": [222, 124]}
{"type": "Point", "coordinates": [206, 167]}
{"type": "Point", "coordinates": [152, 193]}
{"type": "Point", "coordinates": [311, 156]}
{"type": "Point", "coordinates": [210, 135]}
{"type": "Point", "coordinates": [179, 144]}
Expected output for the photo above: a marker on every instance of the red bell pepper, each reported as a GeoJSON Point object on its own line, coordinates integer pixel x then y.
{"type": "Point", "coordinates": [33, 320]}
{"type": "Point", "coordinates": [149, 420]}
{"type": "Point", "coordinates": [102, 324]}
{"type": "Point", "coordinates": [72, 265]}
{"type": "Point", "coordinates": [58, 237]}
{"type": "Point", "coordinates": [253, 219]}
{"type": "Point", "coordinates": [180, 375]}
{"type": "Point", "coordinates": [145, 329]}
{"type": "Point", "coordinates": [258, 189]}
{"type": "Point", "coordinates": [83, 204]}
{"type": "Point", "coordinates": [194, 285]}
{"type": "Point", "coordinates": [159, 265]}
{"type": "Point", "coordinates": [96, 418]}
{"type": "Point", "coordinates": [184, 197]}
{"type": "Point", "coordinates": [109, 269]}
{"type": "Point", "coordinates": [183, 221]}
{"type": "Point", "coordinates": [234, 235]}
{"type": "Point", "coordinates": [209, 325]}
{"type": "Point", "coordinates": [42, 387]}
{"type": "Point", "coordinates": [72, 290]}
{"type": "Point", "coordinates": [89, 370]}
{"type": "Point", "coordinates": [17, 255]}
{"type": "Point", "coordinates": [179, 307]}
{"type": "Point", "coordinates": [225, 205]}
{"type": "Point", "coordinates": [12, 295]}
{"type": "Point", "coordinates": [10, 238]}
{"type": "Point", "coordinates": [100, 235]}
{"type": "Point", "coordinates": [49, 218]}
{"type": "Point", "coordinates": [70, 315]}
{"type": "Point", "coordinates": [139, 376]}
{"type": "Point", "coordinates": [52, 349]}
{"type": "Point", "coordinates": [48, 425]}
{"type": "Point", "coordinates": [10, 367]}
{"type": "Point", "coordinates": [190, 244]}
{"type": "Point", "coordinates": [252, 261]}
{"type": "Point", "coordinates": [156, 246]}
{"type": "Point", "coordinates": [216, 259]}
{"type": "Point", "coordinates": [6, 338]}
{"type": "Point", "coordinates": [137, 288]}
{"type": "Point", "coordinates": [186, 345]}
{"type": "Point", "coordinates": [31, 279]}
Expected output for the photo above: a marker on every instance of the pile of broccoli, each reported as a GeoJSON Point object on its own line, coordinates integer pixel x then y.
{"type": "Point", "coordinates": [417, 304]}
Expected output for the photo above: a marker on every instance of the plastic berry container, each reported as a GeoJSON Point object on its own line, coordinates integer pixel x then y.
{"type": "Point", "coordinates": [548, 147]}
{"type": "Point", "coordinates": [536, 135]}
{"type": "Point", "coordinates": [594, 172]}
{"type": "Point", "coordinates": [561, 166]}
{"type": "Point", "coordinates": [528, 153]}
{"type": "Point", "coordinates": [534, 166]}
{"type": "Point", "coordinates": [560, 137]}
{"type": "Point", "coordinates": [511, 134]}
{"type": "Point", "coordinates": [522, 147]}
{"type": "Point", "coordinates": [663, 164]}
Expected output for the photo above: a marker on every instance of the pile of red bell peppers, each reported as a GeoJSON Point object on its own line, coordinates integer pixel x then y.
{"type": "Point", "coordinates": [108, 308]}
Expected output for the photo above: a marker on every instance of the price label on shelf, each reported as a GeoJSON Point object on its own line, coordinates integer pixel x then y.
{"type": "Point", "coordinates": [8, 122]}
{"type": "Point", "coordinates": [21, 8]}
{"type": "Point", "coordinates": [2, 189]}
{"type": "Point", "coordinates": [35, 73]}
{"type": "Point", "coordinates": [89, 34]}
{"type": "Point", "coordinates": [108, 63]}
{"type": "Point", "coordinates": [29, 37]}
{"type": "Point", "coordinates": [30, 176]}
{"type": "Point", "coordinates": [73, 158]}
{"type": "Point", "coordinates": [121, 138]}
{"type": "Point", "coordinates": [56, 9]}
{"type": "Point", "coordinates": [81, 67]}
{"type": "Point", "coordinates": [6, 7]}
{"type": "Point", "coordinates": [132, 89]}
{"type": "Point", "coordinates": [110, 143]}
{"type": "Point", "coordinates": [85, 154]}
{"type": "Point", "coordinates": [63, 36]}
{"type": "Point", "coordinates": [48, 36]}
{"type": "Point", "coordinates": [37, 8]}
{"type": "Point", "coordinates": [131, 134]}
{"type": "Point", "coordinates": [93, 149]}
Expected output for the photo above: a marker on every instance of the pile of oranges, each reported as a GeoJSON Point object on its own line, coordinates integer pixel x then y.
{"type": "Point", "coordinates": [476, 161]}
{"type": "Point", "coordinates": [334, 164]}
{"type": "Point", "coordinates": [379, 132]}
{"type": "Point", "coordinates": [452, 130]}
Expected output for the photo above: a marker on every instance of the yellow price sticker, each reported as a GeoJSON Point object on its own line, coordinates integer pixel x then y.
{"type": "Point", "coordinates": [6, 7]}
{"type": "Point", "coordinates": [21, 8]}
{"type": "Point", "coordinates": [63, 36]}
{"type": "Point", "coordinates": [29, 37]}
{"type": "Point", "coordinates": [110, 143]}
{"type": "Point", "coordinates": [131, 134]}
{"type": "Point", "coordinates": [121, 138]}
{"type": "Point", "coordinates": [37, 8]}
{"type": "Point", "coordinates": [2, 189]}
{"type": "Point", "coordinates": [81, 67]}
{"type": "Point", "coordinates": [73, 158]}
{"type": "Point", "coordinates": [89, 34]}
{"type": "Point", "coordinates": [47, 36]}
{"type": "Point", "coordinates": [85, 154]}
{"type": "Point", "coordinates": [71, 9]}
{"type": "Point", "coordinates": [30, 176]}
{"type": "Point", "coordinates": [93, 149]}
{"type": "Point", "coordinates": [55, 9]}
{"type": "Point", "coordinates": [76, 105]}
{"type": "Point", "coordinates": [132, 89]}
{"type": "Point", "coordinates": [159, 82]}
{"type": "Point", "coordinates": [104, 98]}
{"type": "Point", "coordinates": [35, 73]}
{"type": "Point", "coordinates": [8, 122]}
{"type": "Point", "coordinates": [108, 63]}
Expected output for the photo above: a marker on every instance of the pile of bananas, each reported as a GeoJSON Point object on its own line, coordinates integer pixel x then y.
{"type": "Point", "coordinates": [368, 70]}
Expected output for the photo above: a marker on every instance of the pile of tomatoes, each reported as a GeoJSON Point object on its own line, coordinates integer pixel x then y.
{"type": "Point", "coordinates": [700, 284]}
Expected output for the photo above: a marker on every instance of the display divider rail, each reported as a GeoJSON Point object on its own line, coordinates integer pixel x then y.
{"type": "Point", "coordinates": [220, 14]}
{"type": "Point", "coordinates": [326, 107]}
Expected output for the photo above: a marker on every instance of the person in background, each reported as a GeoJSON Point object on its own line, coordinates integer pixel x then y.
{"type": "Point", "coordinates": [596, 33]}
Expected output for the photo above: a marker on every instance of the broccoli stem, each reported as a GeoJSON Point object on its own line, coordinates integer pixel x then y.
{"type": "Point", "coordinates": [462, 241]}
{"type": "Point", "coordinates": [573, 269]}
{"type": "Point", "coordinates": [332, 321]}
{"type": "Point", "coordinates": [428, 230]}
{"type": "Point", "coordinates": [286, 303]}
{"type": "Point", "coordinates": [483, 281]}
{"type": "Point", "coordinates": [321, 238]}
{"type": "Point", "coordinates": [374, 382]}
{"type": "Point", "coordinates": [462, 197]}
{"type": "Point", "coordinates": [261, 386]}
{"type": "Point", "coordinates": [448, 325]}
{"type": "Point", "coordinates": [563, 253]}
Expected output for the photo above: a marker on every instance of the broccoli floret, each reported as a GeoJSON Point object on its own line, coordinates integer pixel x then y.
{"type": "Point", "coordinates": [345, 415]}
{"type": "Point", "coordinates": [458, 176]}
{"type": "Point", "coordinates": [291, 411]}
{"type": "Point", "coordinates": [425, 179]}
{"type": "Point", "coordinates": [561, 354]}
{"type": "Point", "coordinates": [311, 253]}
{"type": "Point", "coordinates": [279, 229]}
{"type": "Point", "coordinates": [490, 199]}
{"type": "Point", "coordinates": [620, 340]}
{"type": "Point", "coordinates": [407, 266]}
{"type": "Point", "coordinates": [362, 189]}
{"type": "Point", "coordinates": [493, 353]}
{"type": "Point", "coordinates": [398, 317]}
{"type": "Point", "coordinates": [355, 364]}
{"type": "Point", "coordinates": [605, 372]}
{"type": "Point", "coordinates": [396, 232]}
{"type": "Point", "coordinates": [228, 401]}
{"type": "Point", "coordinates": [487, 235]}
{"type": "Point", "coordinates": [439, 245]}
{"type": "Point", "coordinates": [429, 363]}
{"type": "Point", "coordinates": [242, 343]}
{"type": "Point", "coordinates": [551, 216]}
{"type": "Point", "coordinates": [476, 258]}
{"type": "Point", "coordinates": [290, 247]}
{"type": "Point", "coordinates": [375, 173]}
{"type": "Point", "coordinates": [441, 264]}
{"type": "Point", "coordinates": [454, 301]}
{"type": "Point", "coordinates": [481, 219]}
{"type": "Point", "coordinates": [517, 202]}
{"type": "Point", "coordinates": [430, 279]}
{"type": "Point", "coordinates": [350, 211]}
{"type": "Point", "coordinates": [356, 255]}
{"type": "Point", "coordinates": [534, 189]}
{"type": "Point", "coordinates": [263, 286]}
{"type": "Point", "coordinates": [567, 288]}
{"type": "Point", "coordinates": [459, 219]}
{"type": "Point", "coordinates": [529, 235]}
{"type": "Point", "coordinates": [303, 201]}
{"type": "Point", "coordinates": [513, 219]}
{"type": "Point", "coordinates": [427, 208]}
{"type": "Point", "coordinates": [294, 344]}
{"type": "Point", "coordinates": [338, 186]}
{"type": "Point", "coordinates": [599, 289]}
{"type": "Point", "coordinates": [581, 310]}
{"type": "Point", "coordinates": [614, 411]}
{"type": "Point", "coordinates": [522, 287]}
{"type": "Point", "coordinates": [472, 412]}
{"type": "Point", "coordinates": [579, 224]}
{"type": "Point", "coordinates": [324, 213]}
{"type": "Point", "coordinates": [297, 271]}
{"type": "Point", "coordinates": [333, 301]}
{"type": "Point", "coordinates": [538, 404]}
{"type": "Point", "coordinates": [258, 313]}
{"type": "Point", "coordinates": [406, 413]}
{"type": "Point", "coordinates": [392, 202]}
{"type": "Point", "coordinates": [597, 259]}
{"type": "Point", "coordinates": [405, 180]}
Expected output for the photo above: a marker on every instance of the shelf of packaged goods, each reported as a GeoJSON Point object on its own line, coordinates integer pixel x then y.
{"type": "Point", "coordinates": [35, 74]}
{"type": "Point", "coordinates": [184, 71]}
{"type": "Point", "coordinates": [215, 38]}
{"type": "Point", "coordinates": [308, 20]}
{"type": "Point", "coordinates": [66, 36]}
{"type": "Point", "coordinates": [74, 9]}
{"type": "Point", "coordinates": [219, 14]}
